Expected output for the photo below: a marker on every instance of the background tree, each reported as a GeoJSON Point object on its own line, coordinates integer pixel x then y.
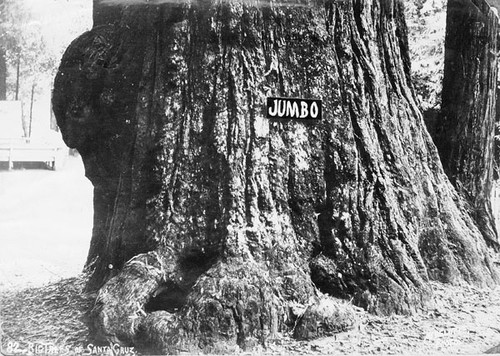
{"type": "Point", "coordinates": [426, 30]}
{"type": "Point", "coordinates": [9, 15]}
{"type": "Point", "coordinates": [3, 59]}
{"type": "Point", "coordinates": [35, 68]}
{"type": "Point", "coordinates": [27, 63]}
{"type": "Point", "coordinates": [216, 228]}
{"type": "Point", "coordinates": [464, 132]}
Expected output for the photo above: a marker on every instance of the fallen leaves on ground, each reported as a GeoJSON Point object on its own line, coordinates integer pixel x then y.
{"type": "Point", "coordinates": [52, 315]}
{"type": "Point", "coordinates": [459, 320]}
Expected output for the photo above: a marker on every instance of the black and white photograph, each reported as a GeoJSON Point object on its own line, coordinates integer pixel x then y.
{"type": "Point", "coordinates": [249, 177]}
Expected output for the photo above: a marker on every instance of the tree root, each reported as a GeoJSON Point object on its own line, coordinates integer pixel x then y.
{"type": "Point", "coordinates": [234, 305]}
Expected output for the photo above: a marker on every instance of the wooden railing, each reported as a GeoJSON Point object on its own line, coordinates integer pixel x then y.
{"type": "Point", "coordinates": [21, 150]}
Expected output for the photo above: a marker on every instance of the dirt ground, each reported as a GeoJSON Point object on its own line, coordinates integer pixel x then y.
{"type": "Point", "coordinates": [45, 228]}
{"type": "Point", "coordinates": [461, 321]}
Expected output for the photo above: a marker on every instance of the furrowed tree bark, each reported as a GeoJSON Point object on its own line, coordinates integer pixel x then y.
{"type": "Point", "coordinates": [216, 228]}
{"type": "Point", "coordinates": [465, 131]}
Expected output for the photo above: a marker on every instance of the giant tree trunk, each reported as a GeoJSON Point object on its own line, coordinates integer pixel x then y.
{"type": "Point", "coordinates": [465, 130]}
{"type": "Point", "coordinates": [214, 225]}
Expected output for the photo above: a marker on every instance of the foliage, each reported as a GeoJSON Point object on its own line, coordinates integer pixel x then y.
{"type": "Point", "coordinates": [12, 14]}
{"type": "Point", "coordinates": [27, 60]}
{"type": "Point", "coordinates": [20, 35]}
{"type": "Point", "coordinates": [33, 44]}
{"type": "Point", "coordinates": [426, 21]}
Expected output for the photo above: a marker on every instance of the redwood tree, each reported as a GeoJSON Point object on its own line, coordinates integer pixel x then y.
{"type": "Point", "coordinates": [216, 228]}
{"type": "Point", "coordinates": [465, 130]}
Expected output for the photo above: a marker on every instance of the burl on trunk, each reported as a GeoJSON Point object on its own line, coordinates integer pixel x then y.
{"type": "Point", "coordinates": [216, 228]}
